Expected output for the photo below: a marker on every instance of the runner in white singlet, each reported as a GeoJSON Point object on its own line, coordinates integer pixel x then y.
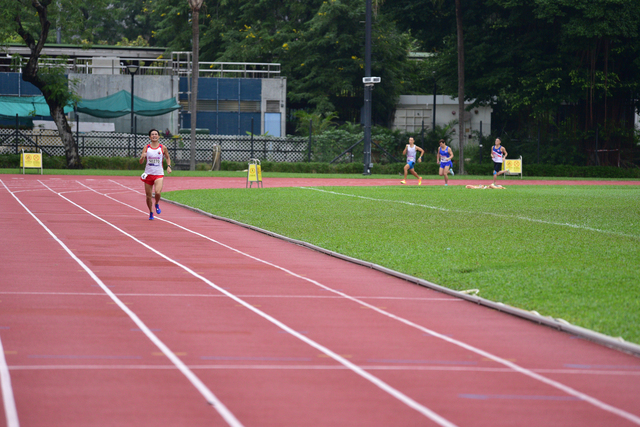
{"type": "Point", "coordinates": [153, 175]}
{"type": "Point", "coordinates": [410, 150]}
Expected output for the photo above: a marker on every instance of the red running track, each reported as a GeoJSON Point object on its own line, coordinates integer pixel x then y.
{"type": "Point", "coordinates": [108, 319]}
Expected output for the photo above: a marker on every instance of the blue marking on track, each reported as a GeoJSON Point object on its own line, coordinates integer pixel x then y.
{"type": "Point", "coordinates": [516, 397]}
{"type": "Point", "coordinates": [259, 359]}
{"type": "Point", "coordinates": [422, 362]}
{"type": "Point", "coordinates": [73, 356]}
{"type": "Point", "coordinates": [583, 366]}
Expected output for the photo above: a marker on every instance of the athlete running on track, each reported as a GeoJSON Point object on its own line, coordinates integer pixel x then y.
{"type": "Point", "coordinates": [153, 174]}
{"type": "Point", "coordinates": [498, 155]}
{"type": "Point", "coordinates": [444, 158]}
{"type": "Point", "coordinates": [410, 150]}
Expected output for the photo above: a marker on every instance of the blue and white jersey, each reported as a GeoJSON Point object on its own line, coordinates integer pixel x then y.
{"type": "Point", "coordinates": [411, 153]}
{"type": "Point", "coordinates": [444, 154]}
{"type": "Point", "coordinates": [496, 154]}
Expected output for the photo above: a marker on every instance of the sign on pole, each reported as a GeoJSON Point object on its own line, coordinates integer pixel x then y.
{"type": "Point", "coordinates": [513, 167]}
{"type": "Point", "coordinates": [254, 173]}
{"type": "Point", "coordinates": [31, 160]}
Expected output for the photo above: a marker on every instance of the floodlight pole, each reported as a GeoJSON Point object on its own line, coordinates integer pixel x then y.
{"type": "Point", "coordinates": [435, 91]}
{"type": "Point", "coordinates": [132, 69]}
{"type": "Point", "coordinates": [367, 92]}
{"type": "Point", "coordinates": [132, 109]}
{"type": "Point", "coordinates": [195, 73]}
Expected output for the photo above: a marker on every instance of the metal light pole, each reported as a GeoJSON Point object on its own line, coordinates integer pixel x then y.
{"type": "Point", "coordinates": [368, 86]}
{"type": "Point", "coordinates": [132, 69]}
{"type": "Point", "coordinates": [195, 72]}
{"type": "Point", "coordinates": [435, 89]}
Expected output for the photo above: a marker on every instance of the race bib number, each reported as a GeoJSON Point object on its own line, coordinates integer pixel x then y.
{"type": "Point", "coordinates": [154, 162]}
{"type": "Point", "coordinates": [143, 176]}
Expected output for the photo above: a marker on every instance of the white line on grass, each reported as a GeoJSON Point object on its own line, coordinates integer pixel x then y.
{"type": "Point", "coordinates": [523, 218]}
{"type": "Point", "coordinates": [10, 411]}
{"type": "Point", "coordinates": [197, 383]}
{"type": "Point", "coordinates": [531, 374]}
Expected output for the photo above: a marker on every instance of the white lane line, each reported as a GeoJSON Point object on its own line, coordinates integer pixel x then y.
{"type": "Point", "coordinates": [523, 218]}
{"type": "Point", "coordinates": [11, 413]}
{"type": "Point", "coordinates": [555, 384]}
{"type": "Point", "coordinates": [355, 368]}
{"type": "Point", "coordinates": [303, 367]}
{"type": "Point", "coordinates": [223, 296]}
{"type": "Point", "coordinates": [206, 393]}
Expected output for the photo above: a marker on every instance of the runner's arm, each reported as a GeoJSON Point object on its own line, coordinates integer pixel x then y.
{"type": "Point", "coordinates": [166, 155]}
{"type": "Point", "coordinates": [143, 155]}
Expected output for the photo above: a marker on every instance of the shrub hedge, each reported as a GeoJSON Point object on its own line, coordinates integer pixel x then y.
{"type": "Point", "coordinates": [424, 168]}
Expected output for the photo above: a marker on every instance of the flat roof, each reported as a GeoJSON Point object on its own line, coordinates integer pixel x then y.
{"type": "Point", "coordinates": [79, 51]}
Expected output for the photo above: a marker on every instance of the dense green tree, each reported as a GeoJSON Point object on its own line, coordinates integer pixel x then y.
{"type": "Point", "coordinates": [172, 24]}
{"type": "Point", "coordinates": [429, 22]}
{"type": "Point", "coordinates": [32, 21]}
{"type": "Point", "coordinates": [326, 61]}
{"type": "Point", "coordinates": [570, 66]}
{"type": "Point", "coordinates": [319, 44]}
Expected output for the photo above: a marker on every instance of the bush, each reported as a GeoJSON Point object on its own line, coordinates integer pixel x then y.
{"type": "Point", "coordinates": [427, 167]}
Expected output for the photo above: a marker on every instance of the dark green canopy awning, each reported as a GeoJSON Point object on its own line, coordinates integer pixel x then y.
{"type": "Point", "coordinates": [119, 104]}
{"type": "Point", "coordinates": [116, 105]}
{"type": "Point", "coordinates": [25, 106]}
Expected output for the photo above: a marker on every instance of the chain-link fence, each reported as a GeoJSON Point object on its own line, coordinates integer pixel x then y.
{"type": "Point", "coordinates": [101, 144]}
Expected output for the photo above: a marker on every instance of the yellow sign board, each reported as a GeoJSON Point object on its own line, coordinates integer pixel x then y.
{"type": "Point", "coordinates": [254, 173]}
{"type": "Point", "coordinates": [31, 160]}
{"type": "Point", "coordinates": [513, 166]}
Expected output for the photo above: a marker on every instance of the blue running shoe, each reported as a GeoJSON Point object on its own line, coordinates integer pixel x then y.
{"type": "Point", "coordinates": [158, 209]}
{"type": "Point", "coordinates": [150, 216]}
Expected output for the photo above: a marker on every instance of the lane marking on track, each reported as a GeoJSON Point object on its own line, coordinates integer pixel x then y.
{"type": "Point", "coordinates": [412, 368]}
{"type": "Point", "coordinates": [11, 413]}
{"type": "Point", "coordinates": [531, 374]}
{"type": "Point", "coordinates": [523, 218]}
{"type": "Point", "coordinates": [355, 368]}
{"type": "Point", "coordinates": [224, 296]}
{"type": "Point", "coordinates": [195, 381]}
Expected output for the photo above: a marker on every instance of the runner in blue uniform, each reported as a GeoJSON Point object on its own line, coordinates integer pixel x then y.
{"type": "Point", "coordinates": [444, 158]}
{"type": "Point", "coordinates": [410, 151]}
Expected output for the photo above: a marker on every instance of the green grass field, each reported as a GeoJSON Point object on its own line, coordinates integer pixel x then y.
{"type": "Point", "coordinates": [566, 252]}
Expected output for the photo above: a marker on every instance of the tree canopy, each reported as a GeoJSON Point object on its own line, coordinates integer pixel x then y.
{"type": "Point", "coordinates": [568, 66]}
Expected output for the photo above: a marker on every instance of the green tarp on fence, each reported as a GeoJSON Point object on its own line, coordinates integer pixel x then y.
{"type": "Point", "coordinates": [116, 105]}
{"type": "Point", "coordinates": [25, 106]}
{"type": "Point", "coordinates": [119, 104]}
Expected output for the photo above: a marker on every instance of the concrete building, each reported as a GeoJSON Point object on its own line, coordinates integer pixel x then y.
{"type": "Point", "coordinates": [413, 111]}
{"type": "Point", "coordinates": [231, 96]}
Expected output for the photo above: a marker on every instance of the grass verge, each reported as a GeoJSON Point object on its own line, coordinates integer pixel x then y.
{"type": "Point", "coordinates": [566, 252]}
